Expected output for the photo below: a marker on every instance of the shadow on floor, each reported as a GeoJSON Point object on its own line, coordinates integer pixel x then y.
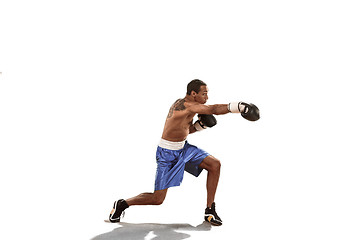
{"type": "Point", "coordinates": [157, 231]}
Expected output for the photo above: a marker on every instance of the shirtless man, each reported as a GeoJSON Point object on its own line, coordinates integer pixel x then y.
{"type": "Point", "coordinates": [175, 155]}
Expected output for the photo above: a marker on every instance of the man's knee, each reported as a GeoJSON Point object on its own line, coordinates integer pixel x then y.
{"type": "Point", "coordinates": [211, 164]}
{"type": "Point", "coordinates": [216, 165]}
{"type": "Point", "coordinates": [158, 201]}
{"type": "Point", "coordinates": [159, 197]}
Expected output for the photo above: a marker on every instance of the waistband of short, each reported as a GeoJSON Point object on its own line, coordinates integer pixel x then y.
{"type": "Point", "coordinates": [171, 145]}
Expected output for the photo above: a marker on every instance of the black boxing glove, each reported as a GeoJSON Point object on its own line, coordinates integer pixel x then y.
{"type": "Point", "coordinates": [248, 111]}
{"type": "Point", "coordinates": [205, 121]}
{"type": "Point", "coordinates": [252, 113]}
{"type": "Point", "coordinates": [208, 119]}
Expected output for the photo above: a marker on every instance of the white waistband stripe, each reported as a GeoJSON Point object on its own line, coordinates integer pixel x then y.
{"type": "Point", "coordinates": [171, 145]}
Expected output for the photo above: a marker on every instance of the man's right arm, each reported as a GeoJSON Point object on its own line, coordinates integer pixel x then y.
{"type": "Point", "coordinates": [248, 111]}
{"type": "Point", "coordinates": [217, 109]}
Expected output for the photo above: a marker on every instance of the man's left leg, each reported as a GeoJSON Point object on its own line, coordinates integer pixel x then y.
{"type": "Point", "coordinates": [212, 165]}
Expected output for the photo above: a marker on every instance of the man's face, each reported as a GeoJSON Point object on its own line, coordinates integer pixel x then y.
{"type": "Point", "coordinates": [202, 96]}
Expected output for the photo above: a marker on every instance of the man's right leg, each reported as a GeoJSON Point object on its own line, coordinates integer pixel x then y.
{"type": "Point", "coordinates": [155, 198]}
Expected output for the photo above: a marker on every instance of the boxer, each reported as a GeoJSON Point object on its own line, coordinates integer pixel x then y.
{"type": "Point", "coordinates": [175, 154]}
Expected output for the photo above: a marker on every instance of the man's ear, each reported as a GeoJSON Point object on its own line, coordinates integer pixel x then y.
{"type": "Point", "coordinates": [193, 93]}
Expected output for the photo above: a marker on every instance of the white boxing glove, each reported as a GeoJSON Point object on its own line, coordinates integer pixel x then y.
{"type": "Point", "coordinates": [199, 125]}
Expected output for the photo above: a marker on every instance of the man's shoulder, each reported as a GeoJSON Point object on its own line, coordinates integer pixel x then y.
{"type": "Point", "coordinates": [192, 105]}
{"type": "Point", "coordinates": [179, 105]}
{"type": "Point", "coordinates": [189, 104]}
{"type": "Point", "coordinates": [182, 104]}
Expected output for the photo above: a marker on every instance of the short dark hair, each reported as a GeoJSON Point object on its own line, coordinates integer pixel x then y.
{"type": "Point", "coordinates": [194, 85]}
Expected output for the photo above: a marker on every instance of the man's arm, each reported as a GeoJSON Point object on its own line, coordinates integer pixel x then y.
{"type": "Point", "coordinates": [217, 109]}
{"type": "Point", "coordinates": [192, 129]}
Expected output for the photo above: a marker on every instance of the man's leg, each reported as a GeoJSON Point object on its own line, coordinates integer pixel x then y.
{"type": "Point", "coordinates": [120, 205]}
{"type": "Point", "coordinates": [212, 165]}
{"type": "Point", "coordinates": [155, 198]}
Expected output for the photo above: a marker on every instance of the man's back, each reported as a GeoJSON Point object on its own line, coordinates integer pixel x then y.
{"type": "Point", "coordinates": [178, 122]}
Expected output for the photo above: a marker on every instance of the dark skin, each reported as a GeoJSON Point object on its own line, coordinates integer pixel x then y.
{"type": "Point", "coordinates": [178, 125]}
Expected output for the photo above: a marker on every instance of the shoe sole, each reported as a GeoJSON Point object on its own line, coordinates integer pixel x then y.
{"type": "Point", "coordinates": [211, 219]}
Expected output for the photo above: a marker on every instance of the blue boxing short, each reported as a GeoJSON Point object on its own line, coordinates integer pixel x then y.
{"type": "Point", "coordinates": [173, 158]}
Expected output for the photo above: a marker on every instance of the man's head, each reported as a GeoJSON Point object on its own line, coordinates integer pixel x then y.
{"type": "Point", "coordinates": [198, 90]}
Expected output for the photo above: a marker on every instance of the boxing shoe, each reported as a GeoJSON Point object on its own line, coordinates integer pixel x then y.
{"type": "Point", "coordinates": [211, 216]}
{"type": "Point", "coordinates": [118, 210]}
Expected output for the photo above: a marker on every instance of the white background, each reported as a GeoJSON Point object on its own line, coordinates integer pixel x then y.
{"type": "Point", "coordinates": [86, 86]}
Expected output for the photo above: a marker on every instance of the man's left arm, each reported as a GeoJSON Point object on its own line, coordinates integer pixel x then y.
{"type": "Point", "coordinates": [192, 129]}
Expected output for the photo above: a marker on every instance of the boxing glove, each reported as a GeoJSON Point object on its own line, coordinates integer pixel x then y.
{"type": "Point", "coordinates": [248, 111]}
{"type": "Point", "coordinates": [205, 121]}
